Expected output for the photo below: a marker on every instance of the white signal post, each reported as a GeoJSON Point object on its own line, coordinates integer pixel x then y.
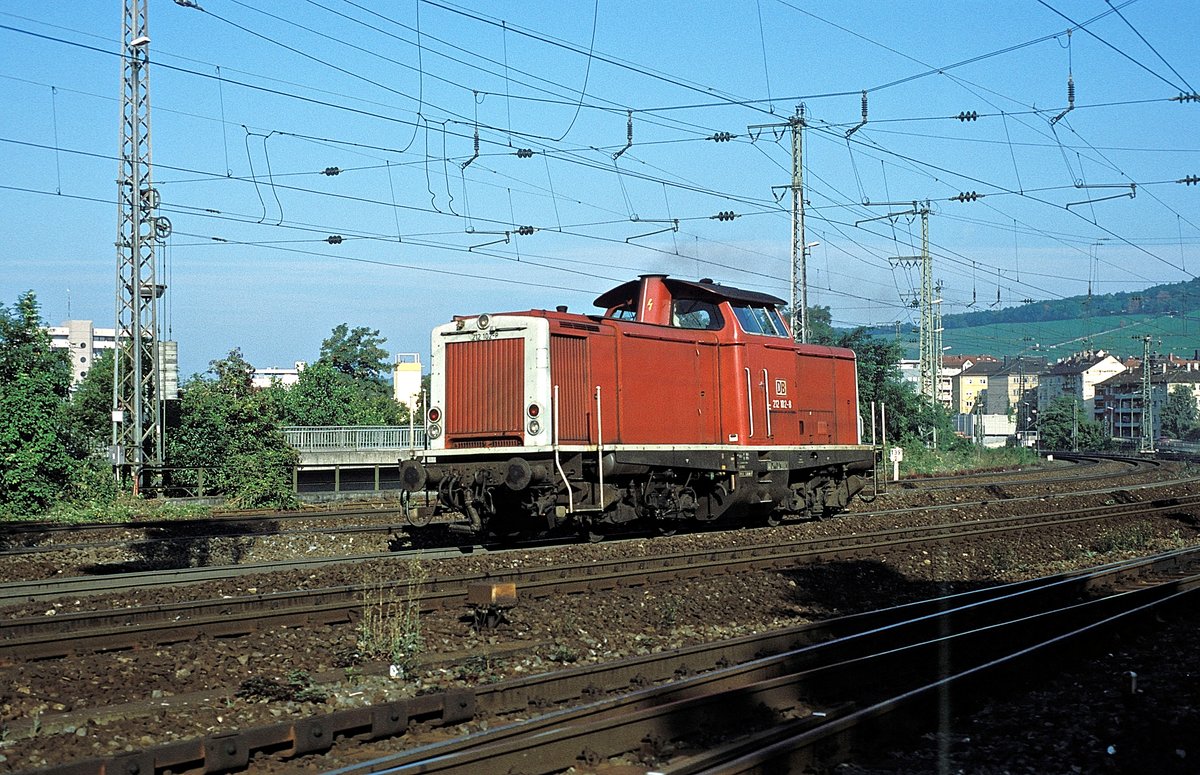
{"type": "Point", "coordinates": [896, 455]}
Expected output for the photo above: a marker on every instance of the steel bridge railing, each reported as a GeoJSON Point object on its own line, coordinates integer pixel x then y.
{"type": "Point", "coordinates": [333, 438]}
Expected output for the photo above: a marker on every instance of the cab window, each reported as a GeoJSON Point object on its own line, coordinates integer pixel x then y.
{"type": "Point", "coordinates": [692, 313]}
{"type": "Point", "coordinates": [626, 311]}
{"type": "Point", "coordinates": [760, 320]}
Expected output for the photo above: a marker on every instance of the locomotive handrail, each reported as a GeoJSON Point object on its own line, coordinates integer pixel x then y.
{"type": "Point", "coordinates": [600, 448]}
{"type": "Point", "coordinates": [750, 400]}
{"type": "Point", "coordinates": [767, 400]}
{"type": "Point", "coordinates": [334, 438]}
{"type": "Point", "coordinates": [558, 459]}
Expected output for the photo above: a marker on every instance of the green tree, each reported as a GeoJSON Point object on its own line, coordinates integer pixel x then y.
{"type": "Point", "coordinates": [1065, 425]}
{"type": "Point", "coordinates": [90, 410]}
{"type": "Point", "coordinates": [1179, 413]}
{"type": "Point", "coordinates": [345, 386]}
{"type": "Point", "coordinates": [820, 326]}
{"type": "Point", "coordinates": [232, 432]}
{"type": "Point", "coordinates": [325, 396]}
{"type": "Point", "coordinates": [37, 458]}
{"type": "Point", "coordinates": [357, 353]}
{"type": "Point", "coordinates": [911, 419]}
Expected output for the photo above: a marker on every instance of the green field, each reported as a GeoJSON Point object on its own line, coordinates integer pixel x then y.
{"type": "Point", "coordinates": [1118, 334]}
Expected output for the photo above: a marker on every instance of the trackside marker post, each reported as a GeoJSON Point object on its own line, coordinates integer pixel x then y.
{"type": "Point", "coordinates": [896, 455]}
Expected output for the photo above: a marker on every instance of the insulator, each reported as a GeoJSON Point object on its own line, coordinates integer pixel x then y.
{"type": "Point", "coordinates": [970, 115]}
{"type": "Point", "coordinates": [725, 215]}
{"type": "Point", "coordinates": [334, 239]}
{"type": "Point", "coordinates": [864, 105]}
{"type": "Point", "coordinates": [965, 196]}
{"type": "Point", "coordinates": [524, 153]}
{"type": "Point", "coordinates": [1193, 97]}
{"type": "Point", "coordinates": [1071, 90]}
{"type": "Point", "coordinates": [1190, 180]}
{"type": "Point", "coordinates": [722, 137]}
{"type": "Point", "coordinates": [331, 171]}
{"type": "Point", "coordinates": [525, 231]}
{"type": "Point", "coordinates": [628, 137]}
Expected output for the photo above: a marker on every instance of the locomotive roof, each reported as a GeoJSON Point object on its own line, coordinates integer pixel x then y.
{"type": "Point", "coordinates": [703, 289]}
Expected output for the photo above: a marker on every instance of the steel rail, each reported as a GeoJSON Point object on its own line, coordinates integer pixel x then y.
{"type": "Point", "coordinates": [44, 637]}
{"type": "Point", "coordinates": [254, 520]}
{"type": "Point", "coordinates": [14, 593]}
{"type": "Point", "coordinates": [822, 698]}
{"type": "Point", "coordinates": [766, 654]}
{"type": "Point", "coordinates": [796, 748]}
{"type": "Point", "coordinates": [229, 526]}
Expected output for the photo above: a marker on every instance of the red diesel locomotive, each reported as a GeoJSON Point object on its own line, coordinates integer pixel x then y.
{"type": "Point", "coordinates": [684, 402]}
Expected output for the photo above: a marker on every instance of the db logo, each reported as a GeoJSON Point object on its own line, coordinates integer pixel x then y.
{"type": "Point", "coordinates": [781, 387]}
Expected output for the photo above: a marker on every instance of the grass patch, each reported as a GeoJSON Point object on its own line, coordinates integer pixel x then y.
{"type": "Point", "coordinates": [123, 508]}
{"type": "Point", "coordinates": [563, 654]}
{"type": "Point", "coordinates": [295, 687]}
{"type": "Point", "coordinates": [920, 461]}
{"type": "Point", "coordinates": [391, 624]}
{"type": "Point", "coordinates": [1125, 538]}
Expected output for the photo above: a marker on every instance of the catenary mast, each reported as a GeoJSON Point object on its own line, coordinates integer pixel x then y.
{"type": "Point", "coordinates": [138, 441]}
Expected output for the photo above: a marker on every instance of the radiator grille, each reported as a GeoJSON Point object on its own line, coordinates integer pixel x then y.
{"type": "Point", "coordinates": [485, 393]}
{"type": "Point", "coordinates": [569, 371]}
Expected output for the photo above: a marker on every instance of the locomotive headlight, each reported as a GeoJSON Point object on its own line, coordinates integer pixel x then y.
{"type": "Point", "coordinates": [483, 321]}
{"type": "Point", "coordinates": [535, 427]}
{"type": "Point", "coordinates": [534, 410]}
{"type": "Point", "coordinates": [435, 415]}
{"type": "Point", "coordinates": [433, 431]}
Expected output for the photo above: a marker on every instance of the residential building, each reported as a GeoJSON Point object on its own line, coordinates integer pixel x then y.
{"type": "Point", "coordinates": [970, 386]}
{"type": "Point", "coordinates": [85, 342]}
{"type": "Point", "coordinates": [1078, 376]}
{"type": "Point", "coordinates": [952, 366]}
{"type": "Point", "coordinates": [265, 377]}
{"type": "Point", "coordinates": [1119, 405]}
{"type": "Point", "coordinates": [406, 379]}
{"type": "Point", "coordinates": [1012, 390]}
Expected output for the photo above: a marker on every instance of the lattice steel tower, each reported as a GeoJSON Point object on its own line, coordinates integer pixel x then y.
{"type": "Point", "coordinates": [798, 303]}
{"type": "Point", "coordinates": [138, 441]}
{"type": "Point", "coordinates": [929, 303]}
{"type": "Point", "coordinates": [1146, 442]}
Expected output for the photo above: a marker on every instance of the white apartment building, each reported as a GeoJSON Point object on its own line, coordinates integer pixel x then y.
{"type": "Point", "coordinates": [85, 342]}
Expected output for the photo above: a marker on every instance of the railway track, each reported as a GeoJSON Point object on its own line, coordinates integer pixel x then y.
{"type": "Point", "coordinates": [15, 593]}
{"type": "Point", "coordinates": [33, 538]}
{"type": "Point", "coordinates": [41, 537]}
{"type": "Point", "coordinates": [805, 696]}
{"type": "Point", "coordinates": [43, 637]}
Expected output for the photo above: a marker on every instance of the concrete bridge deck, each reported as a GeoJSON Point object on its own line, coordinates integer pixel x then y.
{"type": "Point", "coordinates": [351, 458]}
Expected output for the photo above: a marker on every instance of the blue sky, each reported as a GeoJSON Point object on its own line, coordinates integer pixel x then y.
{"type": "Point", "coordinates": [251, 106]}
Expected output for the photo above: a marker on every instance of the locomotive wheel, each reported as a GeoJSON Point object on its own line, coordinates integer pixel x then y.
{"type": "Point", "coordinates": [774, 519]}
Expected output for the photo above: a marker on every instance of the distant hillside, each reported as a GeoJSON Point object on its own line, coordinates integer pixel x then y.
{"type": "Point", "coordinates": [1056, 329]}
{"type": "Point", "coordinates": [1172, 298]}
{"type": "Point", "coordinates": [1055, 339]}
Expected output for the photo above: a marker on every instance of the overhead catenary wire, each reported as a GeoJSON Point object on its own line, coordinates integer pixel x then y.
{"type": "Point", "coordinates": [445, 157]}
